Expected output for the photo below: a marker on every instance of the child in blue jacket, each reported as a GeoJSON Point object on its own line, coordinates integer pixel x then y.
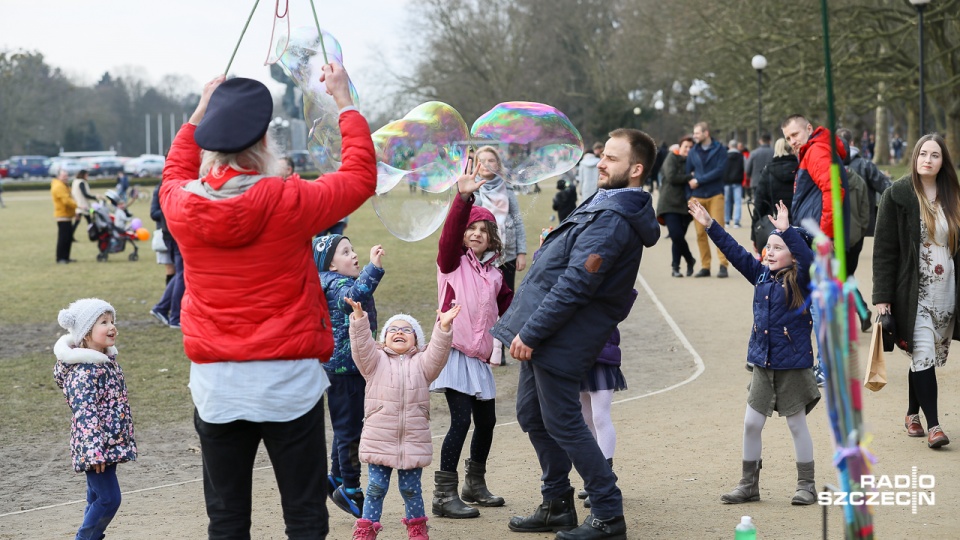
{"type": "Point", "coordinates": [341, 277]}
{"type": "Point", "coordinates": [780, 349]}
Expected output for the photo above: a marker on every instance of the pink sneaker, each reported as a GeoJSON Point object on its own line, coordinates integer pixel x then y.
{"type": "Point", "coordinates": [366, 529]}
{"type": "Point", "coordinates": [416, 528]}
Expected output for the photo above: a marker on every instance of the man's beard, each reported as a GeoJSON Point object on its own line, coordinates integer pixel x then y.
{"type": "Point", "coordinates": [619, 181]}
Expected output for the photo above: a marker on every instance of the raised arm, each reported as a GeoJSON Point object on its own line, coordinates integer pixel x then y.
{"type": "Point", "coordinates": [362, 345]}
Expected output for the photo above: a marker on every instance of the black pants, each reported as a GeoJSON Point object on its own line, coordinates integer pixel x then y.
{"type": "Point", "coordinates": [509, 269]}
{"type": "Point", "coordinates": [677, 225]}
{"type": "Point", "coordinates": [64, 240]}
{"type": "Point", "coordinates": [922, 388]}
{"type": "Point", "coordinates": [548, 411]}
{"type": "Point", "coordinates": [295, 450]}
{"type": "Point", "coordinates": [484, 414]}
{"type": "Point", "coordinates": [345, 401]}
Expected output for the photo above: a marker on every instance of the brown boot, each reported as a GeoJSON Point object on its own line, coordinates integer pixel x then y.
{"type": "Point", "coordinates": [748, 490]}
{"type": "Point", "coordinates": [474, 490]}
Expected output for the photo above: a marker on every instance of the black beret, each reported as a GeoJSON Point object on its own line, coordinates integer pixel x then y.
{"type": "Point", "coordinates": [237, 116]}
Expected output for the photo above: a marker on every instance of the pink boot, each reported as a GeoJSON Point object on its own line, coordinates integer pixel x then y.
{"type": "Point", "coordinates": [366, 529]}
{"type": "Point", "coordinates": [416, 528]}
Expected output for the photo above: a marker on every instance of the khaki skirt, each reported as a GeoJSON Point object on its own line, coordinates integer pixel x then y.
{"type": "Point", "coordinates": [787, 391]}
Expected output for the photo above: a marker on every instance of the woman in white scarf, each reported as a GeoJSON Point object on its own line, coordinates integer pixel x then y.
{"type": "Point", "coordinates": [501, 201]}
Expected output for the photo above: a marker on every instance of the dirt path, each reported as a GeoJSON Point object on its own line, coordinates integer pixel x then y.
{"type": "Point", "coordinates": [677, 451]}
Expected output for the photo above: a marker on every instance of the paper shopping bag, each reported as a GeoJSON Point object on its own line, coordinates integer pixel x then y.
{"type": "Point", "coordinates": [876, 376]}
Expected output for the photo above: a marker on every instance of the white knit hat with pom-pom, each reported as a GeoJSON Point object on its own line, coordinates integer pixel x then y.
{"type": "Point", "coordinates": [79, 318]}
{"type": "Point", "coordinates": [417, 330]}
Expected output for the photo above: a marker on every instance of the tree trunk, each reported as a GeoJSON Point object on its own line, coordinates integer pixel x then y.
{"type": "Point", "coordinates": [953, 133]}
{"type": "Point", "coordinates": [881, 148]}
{"type": "Point", "coordinates": [913, 130]}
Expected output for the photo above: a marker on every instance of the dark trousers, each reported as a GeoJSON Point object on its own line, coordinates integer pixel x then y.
{"type": "Point", "coordinates": [677, 225]}
{"type": "Point", "coordinates": [509, 269]}
{"type": "Point", "coordinates": [103, 501]}
{"type": "Point", "coordinates": [853, 260]}
{"type": "Point", "coordinates": [64, 240]}
{"type": "Point", "coordinates": [169, 304]}
{"type": "Point", "coordinates": [228, 452]}
{"type": "Point", "coordinates": [548, 411]}
{"type": "Point", "coordinates": [345, 401]}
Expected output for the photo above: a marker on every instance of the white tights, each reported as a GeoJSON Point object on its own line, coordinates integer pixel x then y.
{"type": "Point", "coordinates": [596, 412]}
{"type": "Point", "coordinates": [753, 422]}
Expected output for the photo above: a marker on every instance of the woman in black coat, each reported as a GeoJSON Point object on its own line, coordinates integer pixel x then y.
{"type": "Point", "coordinates": [916, 255]}
{"type": "Point", "coordinates": [672, 205]}
{"type": "Point", "coordinates": [776, 184]}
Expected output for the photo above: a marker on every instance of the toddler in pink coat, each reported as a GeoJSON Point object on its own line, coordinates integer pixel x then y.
{"type": "Point", "coordinates": [396, 426]}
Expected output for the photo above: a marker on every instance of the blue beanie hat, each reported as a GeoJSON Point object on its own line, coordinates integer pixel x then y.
{"type": "Point", "coordinates": [324, 248]}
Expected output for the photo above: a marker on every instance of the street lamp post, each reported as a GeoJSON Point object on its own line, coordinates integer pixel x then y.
{"type": "Point", "coordinates": [695, 92]}
{"type": "Point", "coordinates": [658, 105]}
{"type": "Point", "coordinates": [921, 5]}
{"type": "Point", "coordinates": [759, 63]}
{"type": "Point", "coordinates": [636, 117]}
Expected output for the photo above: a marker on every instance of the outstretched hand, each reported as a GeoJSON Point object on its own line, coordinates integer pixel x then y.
{"type": "Point", "coordinates": [337, 83]}
{"type": "Point", "coordinates": [357, 310]}
{"type": "Point", "coordinates": [446, 317]}
{"type": "Point", "coordinates": [470, 181]}
{"type": "Point", "coordinates": [782, 222]}
{"type": "Point", "coordinates": [699, 213]}
{"type": "Point", "coordinates": [376, 255]}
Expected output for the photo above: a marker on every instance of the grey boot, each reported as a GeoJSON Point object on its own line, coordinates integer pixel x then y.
{"type": "Point", "coordinates": [474, 489]}
{"type": "Point", "coordinates": [806, 487]}
{"type": "Point", "coordinates": [748, 490]}
{"type": "Point", "coordinates": [446, 502]}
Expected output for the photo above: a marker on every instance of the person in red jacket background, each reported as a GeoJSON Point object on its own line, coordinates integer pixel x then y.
{"type": "Point", "coordinates": [254, 319]}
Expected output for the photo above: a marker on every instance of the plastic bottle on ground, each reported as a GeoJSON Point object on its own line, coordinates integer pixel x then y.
{"type": "Point", "coordinates": [746, 530]}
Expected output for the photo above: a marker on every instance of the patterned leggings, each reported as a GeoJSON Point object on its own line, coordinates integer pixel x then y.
{"type": "Point", "coordinates": [410, 490]}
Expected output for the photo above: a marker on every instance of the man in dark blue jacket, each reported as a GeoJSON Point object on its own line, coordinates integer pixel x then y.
{"type": "Point", "coordinates": [706, 162]}
{"type": "Point", "coordinates": [562, 314]}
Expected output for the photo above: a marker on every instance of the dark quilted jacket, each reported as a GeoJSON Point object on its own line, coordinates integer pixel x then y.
{"type": "Point", "coordinates": [360, 289]}
{"type": "Point", "coordinates": [781, 336]}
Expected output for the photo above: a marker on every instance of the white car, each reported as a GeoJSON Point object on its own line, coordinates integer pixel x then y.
{"type": "Point", "coordinates": [71, 165]}
{"type": "Point", "coordinates": [145, 165]}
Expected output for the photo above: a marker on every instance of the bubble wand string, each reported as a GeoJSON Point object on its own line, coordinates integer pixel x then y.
{"type": "Point", "coordinates": [319, 32]}
{"type": "Point", "coordinates": [244, 31]}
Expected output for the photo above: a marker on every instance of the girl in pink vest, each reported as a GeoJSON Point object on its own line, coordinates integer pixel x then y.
{"type": "Point", "coordinates": [396, 426]}
{"type": "Point", "coordinates": [467, 278]}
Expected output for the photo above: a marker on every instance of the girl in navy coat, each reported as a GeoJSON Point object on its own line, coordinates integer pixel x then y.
{"type": "Point", "coordinates": [780, 348]}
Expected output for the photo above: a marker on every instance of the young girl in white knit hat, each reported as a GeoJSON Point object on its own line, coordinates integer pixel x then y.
{"type": "Point", "coordinates": [398, 371]}
{"type": "Point", "coordinates": [101, 432]}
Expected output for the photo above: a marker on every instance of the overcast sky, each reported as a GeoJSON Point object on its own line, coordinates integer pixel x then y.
{"type": "Point", "coordinates": [196, 37]}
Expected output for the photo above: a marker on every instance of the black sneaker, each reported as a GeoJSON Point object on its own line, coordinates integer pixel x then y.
{"type": "Point", "coordinates": [704, 272]}
{"type": "Point", "coordinates": [332, 485]}
{"type": "Point", "coordinates": [351, 503]}
{"type": "Point", "coordinates": [723, 272]}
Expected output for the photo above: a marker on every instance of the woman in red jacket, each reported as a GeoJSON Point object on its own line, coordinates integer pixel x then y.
{"type": "Point", "coordinates": [254, 318]}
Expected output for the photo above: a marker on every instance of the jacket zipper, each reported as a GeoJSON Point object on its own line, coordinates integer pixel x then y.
{"type": "Point", "coordinates": [403, 401]}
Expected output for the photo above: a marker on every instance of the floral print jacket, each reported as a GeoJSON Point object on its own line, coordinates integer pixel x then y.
{"type": "Point", "coordinates": [102, 429]}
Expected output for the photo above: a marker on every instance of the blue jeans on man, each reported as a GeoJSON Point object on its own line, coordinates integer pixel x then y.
{"type": "Point", "coordinates": [169, 304]}
{"type": "Point", "coordinates": [732, 196]}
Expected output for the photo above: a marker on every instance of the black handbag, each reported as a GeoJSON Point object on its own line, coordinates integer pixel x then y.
{"type": "Point", "coordinates": [888, 328]}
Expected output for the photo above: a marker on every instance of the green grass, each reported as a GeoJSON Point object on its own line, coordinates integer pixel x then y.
{"type": "Point", "coordinates": [33, 289]}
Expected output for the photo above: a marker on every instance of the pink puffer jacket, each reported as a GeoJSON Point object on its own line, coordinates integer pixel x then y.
{"type": "Point", "coordinates": [396, 410]}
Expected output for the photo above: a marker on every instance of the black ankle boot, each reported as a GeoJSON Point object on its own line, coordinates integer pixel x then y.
{"type": "Point", "coordinates": [594, 528]}
{"type": "Point", "coordinates": [446, 502]}
{"type": "Point", "coordinates": [474, 489]}
{"type": "Point", "coordinates": [553, 515]}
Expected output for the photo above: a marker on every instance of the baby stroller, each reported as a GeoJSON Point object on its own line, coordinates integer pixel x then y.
{"type": "Point", "coordinates": [111, 229]}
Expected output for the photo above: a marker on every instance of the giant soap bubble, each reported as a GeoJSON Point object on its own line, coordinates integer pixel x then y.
{"type": "Point", "coordinates": [535, 141]}
{"type": "Point", "coordinates": [428, 143]}
{"type": "Point", "coordinates": [303, 62]}
{"type": "Point", "coordinates": [409, 212]}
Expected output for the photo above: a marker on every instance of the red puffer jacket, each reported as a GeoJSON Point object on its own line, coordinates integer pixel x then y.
{"type": "Point", "coordinates": [252, 290]}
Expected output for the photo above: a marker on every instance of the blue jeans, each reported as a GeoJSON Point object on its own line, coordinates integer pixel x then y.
{"type": "Point", "coordinates": [732, 195]}
{"type": "Point", "coordinates": [103, 501]}
{"type": "Point", "coordinates": [169, 304]}
{"type": "Point", "coordinates": [345, 400]}
{"type": "Point", "coordinates": [410, 490]}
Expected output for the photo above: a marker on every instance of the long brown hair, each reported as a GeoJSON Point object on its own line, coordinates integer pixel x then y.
{"type": "Point", "coordinates": [790, 285]}
{"type": "Point", "coordinates": [948, 193]}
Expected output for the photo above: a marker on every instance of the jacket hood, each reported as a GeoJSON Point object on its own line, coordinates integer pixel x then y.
{"type": "Point", "coordinates": [590, 159]}
{"type": "Point", "coordinates": [821, 137]}
{"type": "Point", "coordinates": [235, 214]}
{"type": "Point", "coordinates": [783, 169]}
{"type": "Point", "coordinates": [636, 206]}
{"type": "Point", "coordinates": [67, 351]}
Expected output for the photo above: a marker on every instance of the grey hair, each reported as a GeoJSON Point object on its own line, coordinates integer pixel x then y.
{"type": "Point", "coordinates": [261, 158]}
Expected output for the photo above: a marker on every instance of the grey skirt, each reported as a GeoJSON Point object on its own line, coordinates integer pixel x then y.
{"type": "Point", "coordinates": [787, 391]}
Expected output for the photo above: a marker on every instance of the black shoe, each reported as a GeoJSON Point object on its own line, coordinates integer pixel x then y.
{"type": "Point", "coordinates": [446, 499]}
{"type": "Point", "coordinates": [866, 324]}
{"type": "Point", "coordinates": [749, 367]}
{"type": "Point", "coordinates": [332, 483]}
{"type": "Point", "coordinates": [553, 515]}
{"type": "Point", "coordinates": [676, 273]}
{"type": "Point", "coordinates": [704, 272]}
{"type": "Point", "coordinates": [351, 503]}
{"type": "Point", "coordinates": [690, 268]}
{"type": "Point", "coordinates": [723, 272]}
{"type": "Point", "coordinates": [594, 528]}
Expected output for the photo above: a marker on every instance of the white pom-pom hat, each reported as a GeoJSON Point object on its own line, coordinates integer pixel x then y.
{"type": "Point", "coordinates": [79, 318]}
{"type": "Point", "coordinates": [417, 329]}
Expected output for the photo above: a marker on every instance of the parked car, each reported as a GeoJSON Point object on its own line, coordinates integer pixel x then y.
{"type": "Point", "coordinates": [27, 166]}
{"type": "Point", "coordinates": [302, 161]}
{"type": "Point", "coordinates": [103, 166]}
{"type": "Point", "coordinates": [145, 165]}
{"type": "Point", "coordinates": [4, 168]}
{"type": "Point", "coordinates": [71, 165]}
